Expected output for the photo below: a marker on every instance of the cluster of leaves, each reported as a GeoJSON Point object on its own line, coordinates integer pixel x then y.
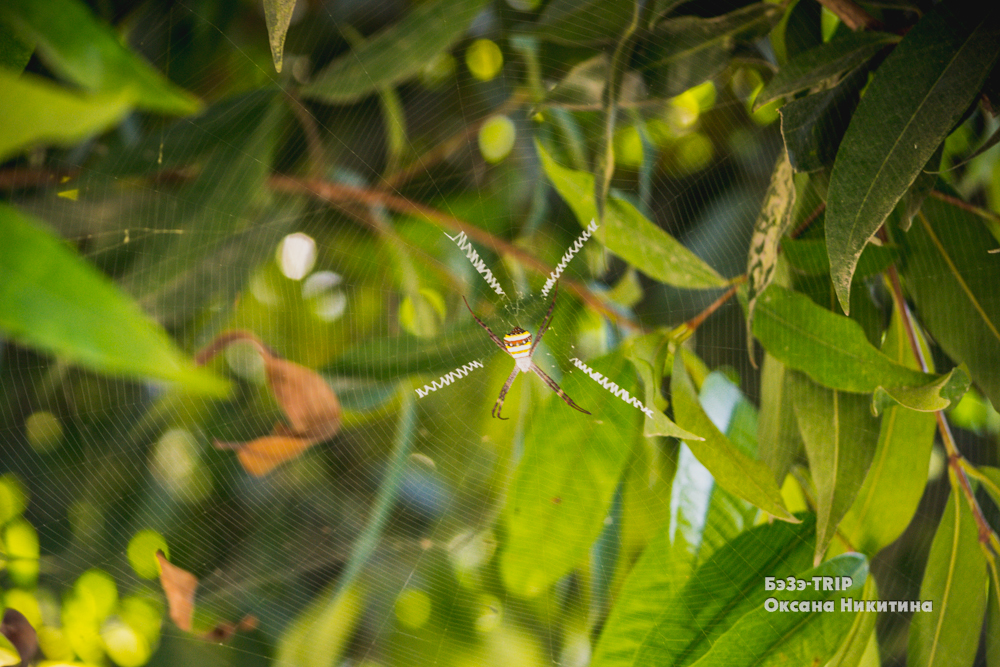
{"type": "Point", "coordinates": [645, 538]}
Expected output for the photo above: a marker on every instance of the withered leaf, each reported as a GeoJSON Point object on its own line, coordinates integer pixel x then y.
{"type": "Point", "coordinates": [312, 408]}
{"type": "Point", "coordinates": [179, 586]}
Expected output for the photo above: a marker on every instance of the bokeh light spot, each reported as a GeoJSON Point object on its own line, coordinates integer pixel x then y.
{"type": "Point", "coordinates": [142, 550]}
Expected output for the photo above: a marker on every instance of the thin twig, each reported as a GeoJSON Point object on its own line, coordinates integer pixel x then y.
{"type": "Point", "coordinates": [447, 147]}
{"type": "Point", "coordinates": [966, 206]}
{"type": "Point", "coordinates": [853, 16]}
{"type": "Point", "coordinates": [314, 144]}
{"type": "Point", "coordinates": [808, 221]}
{"type": "Point", "coordinates": [338, 193]}
{"type": "Point", "coordinates": [698, 319]}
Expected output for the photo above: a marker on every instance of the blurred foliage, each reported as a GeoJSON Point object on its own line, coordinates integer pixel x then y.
{"type": "Point", "coordinates": [299, 195]}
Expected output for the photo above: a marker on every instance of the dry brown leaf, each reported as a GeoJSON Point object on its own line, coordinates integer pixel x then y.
{"type": "Point", "coordinates": [259, 457]}
{"type": "Point", "coordinates": [179, 586]}
{"type": "Point", "coordinates": [312, 408]}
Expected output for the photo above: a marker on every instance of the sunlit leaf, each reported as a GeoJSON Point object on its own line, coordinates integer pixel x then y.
{"type": "Point", "coordinates": [46, 113]}
{"type": "Point", "coordinates": [654, 623]}
{"type": "Point", "coordinates": [306, 398]}
{"type": "Point", "coordinates": [840, 436]}
{"type": "Point", "coordinates": [772, 222]}
{"type": "Point", "coordinates": [628, 234]}
{"type": "Point", "coordinates": [955, 585]}
{"type": "Point", "coordinates": [898, 473]}
{"type": "Point", "coordinates": [822, 63]}
{"type": "Point", "coordinates": [320, 634]}
{"type": "Point", "coordinates": [914, 100]}
{"type": "Point", "coordinates": [278, 15]}
{"type": "Point", "coordinates": [179, 586]}
{"type": "Point", "coordinates": [563, 484]}
{"type": "Point", "coordinates": [861, 636]}
{"type": "Point", "coordinates": [80, 49]}
{"type": "Point", "coordinates": [53, 300]}
{"type": "Point", "coordinates": [952, 281]}
{"type": "Point", "coordinates": [732, 469]}
{"type": "Point", "coordinates": [763, 637]}
{"type": "Point", "coordinates": [429, 28]}
{"type": "Point", "coordinates": [833, 350]}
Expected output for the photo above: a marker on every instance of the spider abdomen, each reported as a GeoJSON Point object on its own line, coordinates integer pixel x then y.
{"type": "Point", "coordinates": [518, 343]}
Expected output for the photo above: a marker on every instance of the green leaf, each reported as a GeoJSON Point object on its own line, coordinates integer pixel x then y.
{"type": "Point", "coordinates": [840, 436]}
{"type": "Point", "coordinates": [52, 300]}
{"type": "Point", "coordinates": [764, 637]}
{"type": "Point", "coordinates": [563, 485]}
{"type": "Point", "coordinates": [191, 139]}
{"type": "Point", "coordinates": [648, 356]}
{"type": "Point", "coordinates": [898, 473]}
{"type": "Point", "coordinates": [798, 30]}
{"type": "Point", "coordinates": [687, 50]}
{"type": "Point", "coordinates": [809, 256]}
{"type": "Point", "coordinates": [917, 192]}
{"type": "Point", "coordinates": [733, 470]}
{"type": "Point", "coordinates": [583, 21]}
{"type": "Point", "coordinates": [955, 584]}
{"type": "Point", "coordinates": [952, 280]}
{"type": "Point", "coordinates": [832, 349]}
{"type": "Point", "coordinates": [430, 28]}
{"type": "Point", "coordinates": [772, 222]}
{"type": "Point", "coordinates": [80, 49]}
{"type": "Point", "coordinates": [813, 126]}
{"type": "Point", "coordinates": [9, 655]}
{"type": "Point", "coordinates": [15, 52]}
{"type": "Point", "coordinates": [653, 624]}
{"type": "Point", "coordinates": [993, 625]}
{"type": "Point", "coordinates": [278, 15]}
{"type": "Point", "coordinates": [860, 640]}
{"type": "Point", "coordinates": [700, 520]}
{"type": "Point", "coordinates": [916, 97]}
{"type": "Point", "coordinates": [992, 482]}
{"type": "Point", "coordinates": [628, 234]}
{"type": "Point", "coordinates": [49, 114]}
{"type": "Point", "coordinates": [823, 63]}
{"type": "Point", "coordinates": [777, 431]}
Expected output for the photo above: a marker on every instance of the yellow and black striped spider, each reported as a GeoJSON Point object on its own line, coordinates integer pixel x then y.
{"type": "Point", "coordinates": [518, 344]}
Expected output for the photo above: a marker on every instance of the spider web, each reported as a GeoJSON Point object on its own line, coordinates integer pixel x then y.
{"type": "Point", "coordinates": [194, 220]}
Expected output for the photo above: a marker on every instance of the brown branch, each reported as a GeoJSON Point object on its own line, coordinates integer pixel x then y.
{"type": "Point", "coordinates": [339, 193]}
{"type": "Point", "coordinates": [853, 16]}
{"type": "Point", "coordinates": [698, 319]}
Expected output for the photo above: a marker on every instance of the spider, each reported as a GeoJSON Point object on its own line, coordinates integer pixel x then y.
{"type": "Point", "coordinates": [518, 344]}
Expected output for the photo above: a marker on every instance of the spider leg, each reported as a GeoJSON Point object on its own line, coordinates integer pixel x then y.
{"type": "Point", "coordinates": [555, 387]}
{"type": "Point", "coordinates": [498, 406]}
{"type": "Point", "coordinates": [493, 336]}
{"type": "Point", "coordinates": [547, 320]}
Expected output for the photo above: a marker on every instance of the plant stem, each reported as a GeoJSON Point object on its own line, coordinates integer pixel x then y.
{"type": "Point", "coordinates": [853, 16]}
{"type": "Point", "coordinates": [956, 462]}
